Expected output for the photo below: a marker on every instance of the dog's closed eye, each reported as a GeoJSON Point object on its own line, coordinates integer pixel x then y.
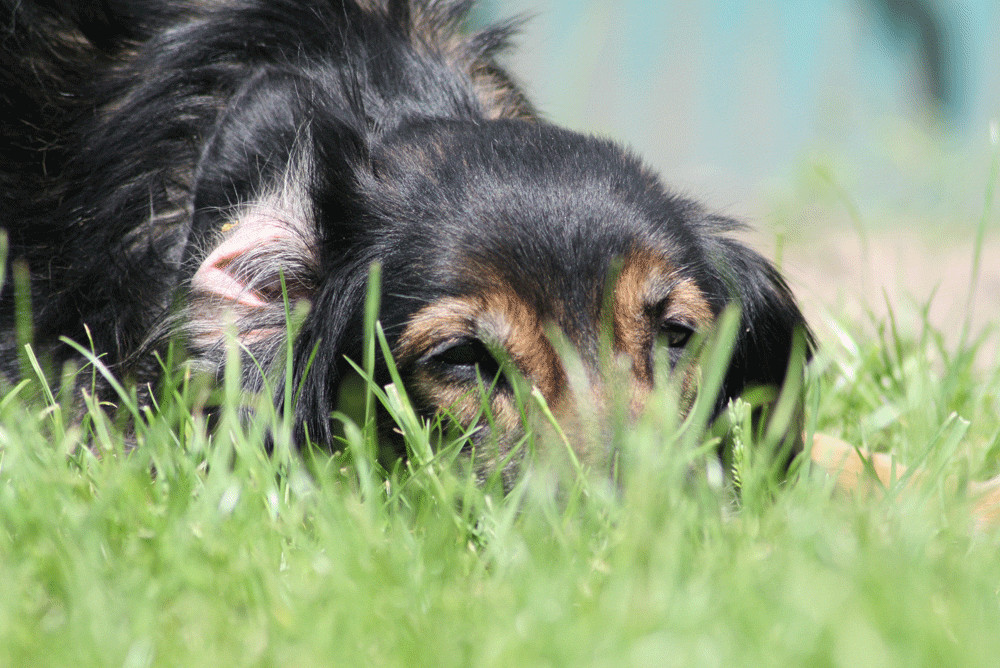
{"type": "Point", "coordinates": [675, 333]}
{"type": "Point", "coordinates": [462, 358]}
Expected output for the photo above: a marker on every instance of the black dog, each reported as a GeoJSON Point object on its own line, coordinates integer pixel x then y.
{"type": "Point", "coordinates": [170, 167]}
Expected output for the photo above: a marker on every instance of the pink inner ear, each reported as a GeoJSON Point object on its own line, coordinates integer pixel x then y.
{"type": "Point", "coordinates": [219, 276]}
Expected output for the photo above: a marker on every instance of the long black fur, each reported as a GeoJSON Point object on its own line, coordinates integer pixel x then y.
{"type": "Point", "coordinates": [131, 131]}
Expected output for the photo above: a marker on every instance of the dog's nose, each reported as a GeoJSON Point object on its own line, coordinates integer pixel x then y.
{"type": "Point", "coordinates": [595, 404]}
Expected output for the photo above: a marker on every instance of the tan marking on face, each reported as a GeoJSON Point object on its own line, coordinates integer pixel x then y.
{"type": "Point", "coordinates": [648, 279]}
{"type": "Point", "coordinates": [500, 319]}
{"type": "Point", "coordinates": [687, 303]}
{"type": "Point", "coordinates": [630, 318]}
{"type": "Point", "coordinates": [647, 289]}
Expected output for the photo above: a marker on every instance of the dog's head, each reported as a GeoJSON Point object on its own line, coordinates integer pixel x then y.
{"type": "Point", "coordinates": [530, 252]}
{"type": "Point", "coordinates": [510, 250]}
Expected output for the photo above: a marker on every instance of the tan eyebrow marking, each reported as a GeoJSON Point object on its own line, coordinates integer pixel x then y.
{"type": "Point", "coordinates": [640, 286]}
{"type": "Point", "coordinates": [500, 317]}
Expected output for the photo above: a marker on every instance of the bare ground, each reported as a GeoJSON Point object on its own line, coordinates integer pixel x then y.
{"type": "Point", "coordinates": [842, 274]}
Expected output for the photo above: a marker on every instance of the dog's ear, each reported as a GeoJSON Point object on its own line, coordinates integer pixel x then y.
{"type": "Point", "coordinates": [772, 333]}
{"type": "Point", "coordinates": [331, 334]}
{"type": "Point", "coordinates": [276, 216]}
{"type": "Point", "coordinates": [770, 322]}
{"type": "Point", "coordinates": [274, 139]}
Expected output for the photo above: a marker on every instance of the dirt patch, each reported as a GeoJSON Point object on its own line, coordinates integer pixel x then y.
{"type": "Point", "coordinates": [844, 275]}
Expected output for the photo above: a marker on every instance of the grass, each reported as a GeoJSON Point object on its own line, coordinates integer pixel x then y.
{"type": "Point", "coordinates": [146, 538]}
{"type": "Point", "coordinates": [196, 548]}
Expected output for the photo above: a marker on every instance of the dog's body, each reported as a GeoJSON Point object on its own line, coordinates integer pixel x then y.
{"type": "Point", "coordinates": [166, 166]}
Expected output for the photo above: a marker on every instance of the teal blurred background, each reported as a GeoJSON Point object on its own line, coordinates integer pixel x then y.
{"type": "Point", "coordinates": [769, 106]}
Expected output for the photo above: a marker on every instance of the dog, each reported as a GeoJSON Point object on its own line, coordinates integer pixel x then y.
{"type": "Point", "coordinates": [177, 169]}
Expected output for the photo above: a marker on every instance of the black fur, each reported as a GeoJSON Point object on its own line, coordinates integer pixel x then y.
{"type": "Point", "coordinates": [372, 131]}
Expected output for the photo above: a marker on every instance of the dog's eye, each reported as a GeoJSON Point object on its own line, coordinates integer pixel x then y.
{"type": "Point", "coordinates": [675, 334]}
{"type": "Point", "coordinates": [467, 354]}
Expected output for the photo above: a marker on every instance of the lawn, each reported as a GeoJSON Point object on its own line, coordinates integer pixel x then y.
{"type": "Point", "coordinates": [143, 536]}
{"type": "Point", "coordinates": [166, 543]}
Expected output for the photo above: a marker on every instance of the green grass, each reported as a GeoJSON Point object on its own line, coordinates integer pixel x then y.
{"type": "Point", "coordinates": [198, 549]}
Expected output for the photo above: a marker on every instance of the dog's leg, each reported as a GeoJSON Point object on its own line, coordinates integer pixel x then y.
{"type": "Point", "coordinates": [852, 469]}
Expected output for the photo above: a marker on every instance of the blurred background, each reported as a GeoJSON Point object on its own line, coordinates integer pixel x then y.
{"type": "Point", "coordinates": [854, 135]}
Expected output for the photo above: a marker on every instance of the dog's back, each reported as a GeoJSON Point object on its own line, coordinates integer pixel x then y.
{"type": "Point", "coordinates": [105, 108]}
